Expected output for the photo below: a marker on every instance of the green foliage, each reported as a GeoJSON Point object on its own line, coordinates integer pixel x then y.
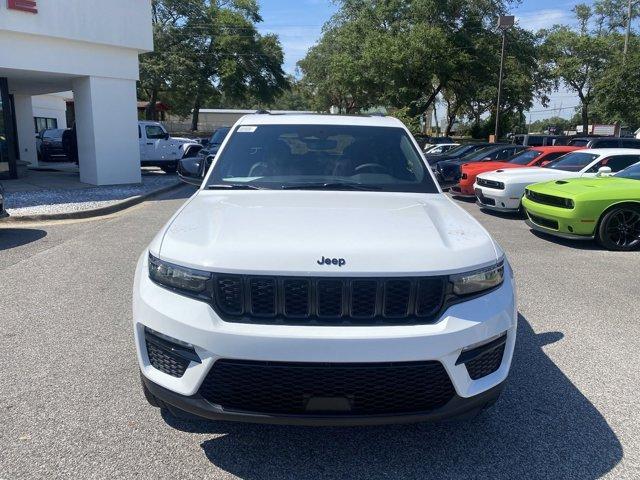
{"type": "Point", "coordinates": [404, 53]}
{"type": "Point", "coordinates": [617, 91]}
{"type": "Point", "coordinates": [207, 49]}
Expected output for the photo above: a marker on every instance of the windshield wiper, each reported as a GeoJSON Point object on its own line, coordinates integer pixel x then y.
{"type": "Point", "coordinates": [331, 186]}
{"type": "Point", "coordinates": [233, 186]}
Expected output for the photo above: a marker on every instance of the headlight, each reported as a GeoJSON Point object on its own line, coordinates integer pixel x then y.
{"type": "Point", "coordinates": [478, 280]}
{"type": "Point", "coordinates": [177, 277]}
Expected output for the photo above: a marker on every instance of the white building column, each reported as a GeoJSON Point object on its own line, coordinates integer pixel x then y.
{"type": "Point", "coordinates": [25, 127]}
{"type": "Point", "coordinates": [107, 129]}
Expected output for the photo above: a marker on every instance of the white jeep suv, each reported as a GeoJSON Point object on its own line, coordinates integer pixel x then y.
{"type": "Point", "coordinates": [320, 276]}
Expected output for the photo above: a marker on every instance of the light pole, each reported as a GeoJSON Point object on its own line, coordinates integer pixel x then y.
{"type": "Point", "coordinates": [628, 32]}
{"type": "Point", "coordinates": [504, 23]}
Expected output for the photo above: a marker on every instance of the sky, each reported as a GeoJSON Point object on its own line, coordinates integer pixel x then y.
{"type": "Point", "coordinates": [298, 23]}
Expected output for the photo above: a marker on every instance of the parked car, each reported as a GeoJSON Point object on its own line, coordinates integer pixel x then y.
{"type": "Point", "coordinates": [49, 145]}
{"type": "Point", "coordinates": [448, 172]}
{"type": "Point", "coordinates": [438, 149]}
{"type": "Point", "coordinates": [534, 140]}
{"type": "Point", "coordinates": [457, 152]}
{"type": "Point", "coordinates": [319, 276]}
{"type": "Point", "coordinates": [502, 190]}
{"type": "Point", "coordinates": [196, 167]}
{"type": "Point", "coordinates": [159, 149]}
{"type": "Point", "coordinates": [3, 211]}
{"type": "Point", "coordinates": [606, 208]}
{"type": "Point", "coordinates": [428, 141]}
{"type": "Point", "coordinates": [533, 157]}
{"type": "Point", "coordinates": [604, 142]}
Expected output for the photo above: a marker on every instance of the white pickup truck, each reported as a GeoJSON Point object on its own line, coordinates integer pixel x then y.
{"type": "Point", "coordinates": [159, 149]}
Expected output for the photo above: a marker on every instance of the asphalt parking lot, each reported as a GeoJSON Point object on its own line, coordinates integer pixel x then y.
{"type": "Point", "coordinates": [71, 405]}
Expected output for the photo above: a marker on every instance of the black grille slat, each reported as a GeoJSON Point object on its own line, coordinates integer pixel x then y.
{"type": "Point", "coordinates": [229, 294]}
{"type": "Point", "coordinates": [429, 297]}
{"type": "Point", "coordinates": [330, 298]}
{"type": "Point", "coordinates": [262, 296]}
{"type": "Point", "coordinates": [328, 301]}
{"type": "Point", "coordinates": [296, 298]}
{"type": "Point", "coordinates": [286, 388]}
{"type": "Point", "coordinates": [397, 294]}
{"type": "Point", "coordinates": [364, 295]}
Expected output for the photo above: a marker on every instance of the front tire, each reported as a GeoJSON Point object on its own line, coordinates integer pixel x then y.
{"type": "Point", "coordinates": [619, 229]}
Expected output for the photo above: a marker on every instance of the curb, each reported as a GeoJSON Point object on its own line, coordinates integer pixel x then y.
{"type": "Point", "coordinates": [94, 212]}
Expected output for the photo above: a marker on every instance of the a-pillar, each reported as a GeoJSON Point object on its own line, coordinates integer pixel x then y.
{"type": "Point", "coordinates": [107, 129]}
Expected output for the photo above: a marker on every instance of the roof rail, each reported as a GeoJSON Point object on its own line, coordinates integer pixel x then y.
{"type": "Point", "coordinates": [263, 112]}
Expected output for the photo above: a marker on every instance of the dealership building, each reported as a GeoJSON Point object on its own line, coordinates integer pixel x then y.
{"type": "Point", "coordinates": [53, 51]}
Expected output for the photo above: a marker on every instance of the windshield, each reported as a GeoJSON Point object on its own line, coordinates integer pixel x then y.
{"type": "Point", "coordinates": [573, 162]}
{"type": "Point", "coordinates": [478, 154]}
{"type": "Point", "coordinates": [321, 156]}
{"type": "Point", "coordinates": [526, 157]}
{"type": "Point", "coordinates": [219, 135]}
{"type": "Point", "coordinates": [579, 142]}
{"type": "Point", "coordinates": [53, 133]}
{"type": "Point", "coordinates": [632, 172]}
{"type": "Point", "coordinates": [459, 149]}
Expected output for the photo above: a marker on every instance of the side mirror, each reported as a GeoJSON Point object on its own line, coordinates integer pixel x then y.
{"type": "Point", "coordinates": [166, 135]}
{"type": "Point", "coordinates": [189, 171]}
{"type": "Point", "coordinates": [604, 171]}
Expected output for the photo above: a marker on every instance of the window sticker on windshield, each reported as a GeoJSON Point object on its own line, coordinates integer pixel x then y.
{"type": "Point", "coordinates": [247, 129]}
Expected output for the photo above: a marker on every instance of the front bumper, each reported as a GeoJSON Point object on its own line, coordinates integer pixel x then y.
{"type": "Point", "coordinates": [195, 322]}
{"type": "Point", "coordinates": [498, 200]}
{"type": "Point", "coordinates": [457, 407]}
{"type": "Point", "coordinates": [569, 223]}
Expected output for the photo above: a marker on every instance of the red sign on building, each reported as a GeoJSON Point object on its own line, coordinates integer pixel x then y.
{"type": "Point", "coordinates": [23, 5]}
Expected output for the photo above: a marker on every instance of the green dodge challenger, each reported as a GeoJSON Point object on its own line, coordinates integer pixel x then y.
{"type": "Point", "coordinates": [603, 208]}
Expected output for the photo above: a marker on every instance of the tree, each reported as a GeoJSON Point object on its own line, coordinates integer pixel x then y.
{"type": "Point", "coordinates": [406, 54]}
{"type": "Point", "coordinates": [576, 58]}
{"type": "Point", "coordinates": [209, 48]}
{"type": "Point", "coordinates": [615, 90]}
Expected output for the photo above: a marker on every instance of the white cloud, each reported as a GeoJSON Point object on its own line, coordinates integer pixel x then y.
{"type": "Point", "coordinates": [546, 18]}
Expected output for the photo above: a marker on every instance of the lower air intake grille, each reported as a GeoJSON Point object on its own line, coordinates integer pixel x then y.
{"type": "Point", "coordinates": [164, 360]}
{"type": "Point", "coordinates": [544, 222]}
{"type": "Point", "coordinates": [486, 364]}
{"type": "Point", "coordinates": [327, 389]}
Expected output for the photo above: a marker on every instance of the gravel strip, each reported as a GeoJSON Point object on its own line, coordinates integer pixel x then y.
{"type": "Point", "coordinates": [76, 200]}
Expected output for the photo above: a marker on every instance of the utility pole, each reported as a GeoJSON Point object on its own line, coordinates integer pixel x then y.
{"type": "Point", "coordinates": [504, 23]}
{"type": "Point", "coordinates": [628, 33]}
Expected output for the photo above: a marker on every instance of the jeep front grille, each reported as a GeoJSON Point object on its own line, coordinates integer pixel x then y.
{"type": "Point", "coordinates": [328, 301]}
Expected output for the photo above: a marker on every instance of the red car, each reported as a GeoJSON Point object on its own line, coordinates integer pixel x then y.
{"type": "Point", "coordinates": [533, 157]}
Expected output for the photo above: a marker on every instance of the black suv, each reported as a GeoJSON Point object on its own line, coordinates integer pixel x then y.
{"type": "Point", "coordinates": [604, 142]}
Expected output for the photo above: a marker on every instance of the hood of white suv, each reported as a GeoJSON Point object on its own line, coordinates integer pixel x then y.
{"type": "Point", "coordinates": [291, 232]}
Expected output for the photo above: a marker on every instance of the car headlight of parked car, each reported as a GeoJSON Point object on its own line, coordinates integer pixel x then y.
{"type": "Point", "coordinates": [478, 281]}
{"type": "Point", "coordinates": [183, 279]}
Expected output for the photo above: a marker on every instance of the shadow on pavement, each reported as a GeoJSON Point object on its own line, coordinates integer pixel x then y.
{"type": "Point", "coordinates": [16, 237]}
{"type": "Point", "coordinates": [542, 427]}
{"type": "Point", "coordinates": [575, 244]}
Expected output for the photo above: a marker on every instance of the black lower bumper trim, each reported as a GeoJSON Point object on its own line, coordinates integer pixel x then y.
{"type": "Point", "coordinates": [457, 407]}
